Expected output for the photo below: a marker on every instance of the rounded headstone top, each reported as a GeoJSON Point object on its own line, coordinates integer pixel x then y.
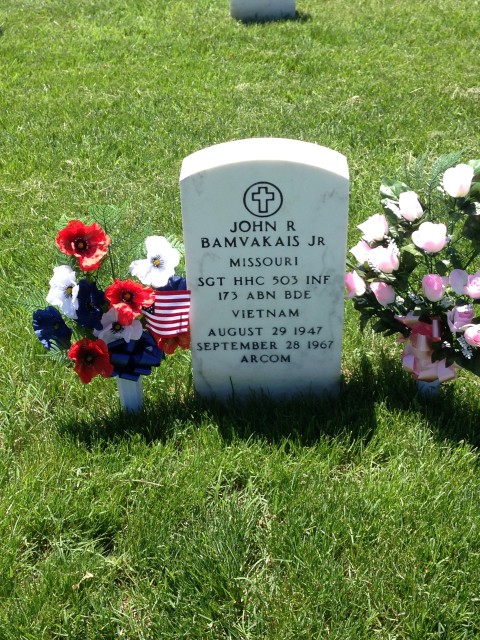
{"type": "Point", "coordinates": [265, 150]}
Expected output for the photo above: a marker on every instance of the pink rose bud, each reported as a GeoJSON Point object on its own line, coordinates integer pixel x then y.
{"type": "Point", "coordinates": [433, 287]}
{"type": "Point", "coordinates": [360, 251]}
{"type": "Point", "coordinates": [430, 237]}
{"type": "Point", "coordinates": [472, 288]}
{"type": "Point", "coordinates": [374, 228]}
{"type": "Point", "coordinates": [472, 335]}
{"type": "Point", "coordinates": [458, 280]}
{"type": "Point", "coordinates": [355, 284]}
{"type": "Point", "coordinates": [384, 293]}
{"type": "Point", "coordinates": [410, 207]}
{"type": "Point", "coordinates": [458, 180]}
{"type": "Point", "coordinates": [458, 317]}
{"type": "Point", "coordinates": [384, 259]}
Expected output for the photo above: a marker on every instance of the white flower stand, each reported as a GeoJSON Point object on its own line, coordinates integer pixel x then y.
{"type": "Point", "coordinates": [130, 393]}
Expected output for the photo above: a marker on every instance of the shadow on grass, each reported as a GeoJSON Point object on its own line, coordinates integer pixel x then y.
{"type": "Point", "coordinates": [352, 414]}
{"type": "Point", "coordinates": [450, 415]}
{"type": "Point", "coordinates": [304, 419]}
{"type": "Point", "coordinates": [299, 16]}
{"type": "Point", "coordinates": [453, 414]}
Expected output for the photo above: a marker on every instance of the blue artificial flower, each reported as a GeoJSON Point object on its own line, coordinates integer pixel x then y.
{"type": "Point", "coordinates": [49, 326]}
{"type": "Point", "coordinates": [175, 283]}
{"type": "Point", "coordinates": [91, 305]}
{"type": "Point", "coordinates": [135, 358]}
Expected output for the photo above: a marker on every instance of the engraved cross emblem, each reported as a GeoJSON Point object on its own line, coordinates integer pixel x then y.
{"type": "Point", "coordinates": [263, 196]}
{"type": "Point", "coordinates": [263, 199]}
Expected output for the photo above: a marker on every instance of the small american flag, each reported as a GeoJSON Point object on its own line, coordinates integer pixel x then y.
{"type": "Point", "coordinates": [169, 315]}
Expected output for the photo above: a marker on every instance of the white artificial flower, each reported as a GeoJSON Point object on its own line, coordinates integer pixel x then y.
{"type": "Point", "coordinates": [112, 329]}
{"type": "Point", "coordinates": [160, 264]}
{"type": "Point", "coordinates": [64, 291]}
{"type": "Point", "coordinates": [458, 180]}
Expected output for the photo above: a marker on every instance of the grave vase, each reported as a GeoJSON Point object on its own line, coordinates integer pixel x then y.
{"type": "Point", "coordinates": [130, 393]}
{"type": "Point", "coordinates": [428, 389]}
{"type": "Point", "coordinates": [248, 10]}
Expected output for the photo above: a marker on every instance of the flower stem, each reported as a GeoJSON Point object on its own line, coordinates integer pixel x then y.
{"type": "Point", "coordinates": [109, 250]}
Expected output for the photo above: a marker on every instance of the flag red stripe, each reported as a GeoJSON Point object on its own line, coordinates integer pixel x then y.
{"type": "Point", "coordinates": [168, 319]}
{"type": "Point", "coordinates": [170, 316]}
{"type": "Point", "coordinates": [169, 325]}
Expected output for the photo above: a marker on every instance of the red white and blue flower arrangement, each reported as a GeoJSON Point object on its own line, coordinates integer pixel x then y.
{"type": "Point", "coordinates": [124, 329]}
{"type": "Point", "coordinates": [417, 270]}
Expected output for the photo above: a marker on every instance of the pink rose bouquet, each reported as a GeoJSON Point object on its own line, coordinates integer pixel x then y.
{"type": "Point", "coordinates": [416, 268]}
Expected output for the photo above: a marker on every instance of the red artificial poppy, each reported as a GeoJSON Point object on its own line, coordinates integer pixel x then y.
{"type": "Point", "coordinates": [168, 345]}
{"type": "Point", "coordinates": [88, 243]}
{"type": "Point", "coordinates": [91, 359]}
{"type": "Point", "coordinates": [128, 298]}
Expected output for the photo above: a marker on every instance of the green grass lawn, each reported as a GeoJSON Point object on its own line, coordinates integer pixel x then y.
{"type": "Point", "coordinates": [351, 519]}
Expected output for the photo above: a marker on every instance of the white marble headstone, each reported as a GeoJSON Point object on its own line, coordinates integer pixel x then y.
{"type": "Point", "coordinates": [265, 229]}
{"type": "Point", "coordinates": [246, 10]}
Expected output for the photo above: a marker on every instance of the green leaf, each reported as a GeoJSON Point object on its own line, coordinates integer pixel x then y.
{"type": "Point", "coordinates": [408, 261]}
{"type": "Point", "coordinates": [443, 163]}
{"type": "Point", "coordinates": [471, 229]}
{"type": "Point", "coordinates": [413, 250]}
{"type": "Point", "coordinates": [79, 332]}
{"type": "Point", "coordinates": [32, 301]}
{"type": "Point", "coordinates": [58, 354]}
{"type": "Point", "coordinates": [364, 320]}
{"type": "Point", "coordinates": [391, 189]}
{"type": "Point", "coordinates": [474, 189]}
{"type": "Point", "coordinates": [409, 257]}
{"type": "Point", "coordinates": [468, 207]}
{"type": "Point", "coordinates": [476, 168]}
{"type": "Point", "coordinates": [107, 216]}
{"type": "Point", "coordinates": [393, 231]}
{"type": "Point", "coordinates": [470, 364]}
{"type": "Point", "coordinates": [442, 267]}
{"type": "Point", "coordinates": [378, 326]}
{"type": "Point", "coordinates": [176, 244]}
{"type": "Point", "coordinates": [350, 264]}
